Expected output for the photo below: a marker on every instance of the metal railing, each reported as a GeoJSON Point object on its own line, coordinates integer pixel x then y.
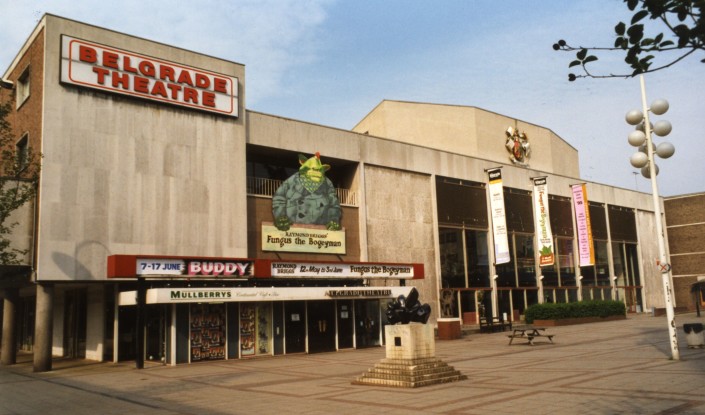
{"type": "Point", "coordinates": [258, 186]}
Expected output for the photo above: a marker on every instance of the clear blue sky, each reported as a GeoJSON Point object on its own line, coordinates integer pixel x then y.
{"type": "Point", "coordinates": [330, 62]}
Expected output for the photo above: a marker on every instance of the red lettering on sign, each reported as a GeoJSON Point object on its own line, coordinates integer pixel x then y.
{"type": "Point", "coordinates": [141, 84]}
{"type": "Point", "coordinates": [101, 74]}
{"type": "Point", "coordinates": [137, 75]}
{"type": "Point", "coordinates": [190, 94]}
{"type": "Point", "coordinates": [110, 59]}
{"type": "Point", "coordinates": [185, 78]}
{"type": "Point", "coordinates": [126, 65]}
{"type": "Point", "coordinates": [166, 72]}
{"type": "Point", "coordinates": [174, 88]}
{"type": "Point", "coordinates": [159, 89]}
{"type": "Point", "coordinates": [121, 80]}
{"type": "Point", "coordinates": [208, 99]}
{"type": "Point", "coordinates": [220, 85]}
{"type": "Point", "coordinates": [202, 81]}
{"type": "Point", "coordinates": [147, 69]}
{"type": "Point", "coordinates": [86, 54]}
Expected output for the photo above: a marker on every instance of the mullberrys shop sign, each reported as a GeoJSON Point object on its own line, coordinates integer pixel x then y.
{"type": "Point", "coordinates": [101, 67]}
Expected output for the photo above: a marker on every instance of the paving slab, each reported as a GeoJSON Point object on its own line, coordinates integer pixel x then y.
{"type": "Point", "coordinates": [619, 367]}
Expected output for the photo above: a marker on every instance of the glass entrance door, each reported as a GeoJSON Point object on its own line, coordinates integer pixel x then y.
{"type": "Point", "coordinates": [295, 326]}
{"type": "Point", "coordinates": [321, 326]}
{"type": "Point", "coordinates": [345, 324]}
{"type": "Point", "coordinates": [156, 333]}
{"type": "Point", "coordinates": [367, 323]}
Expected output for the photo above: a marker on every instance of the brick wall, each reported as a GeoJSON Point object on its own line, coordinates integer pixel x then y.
{"type": "Point", "coordinates": [685, 224]}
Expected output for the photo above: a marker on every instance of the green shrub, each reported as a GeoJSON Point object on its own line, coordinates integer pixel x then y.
{"type": "Point", "coordinates": [557, 311]}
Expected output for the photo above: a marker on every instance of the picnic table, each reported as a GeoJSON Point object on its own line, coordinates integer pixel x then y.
{"type": "Point", "coordinates": [529, 333]}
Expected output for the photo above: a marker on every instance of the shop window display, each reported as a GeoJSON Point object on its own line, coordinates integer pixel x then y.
{"type": "Point", "coordinates": [255, 329]}
{"type": "Point", "coordinates": [207, 332]}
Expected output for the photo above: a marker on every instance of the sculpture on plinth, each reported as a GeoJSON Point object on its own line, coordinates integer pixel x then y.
{"type": "Point", "coordinates": [411, 360]}
{"type": "Point", "coordinates": [407, 309]}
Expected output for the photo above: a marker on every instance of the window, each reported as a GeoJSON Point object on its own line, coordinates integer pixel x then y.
{"type": "Point", "coordinates": [519, 210]}
{"type": "Point", "coordinates": [596, 278]}
{"type": "Point", "coordinates": [622, 224]}
{"type": "Point", "coordinates": [461, 203]}
{"type": "Point", "coordinates": [562, 272]}
{"type": "Point", "coordinates": [23, 87]}
{"type": "Point", "coordinates": [561, 216]}
{"type": "Point", "coordinates": [626, 270]}
{"type": "Point", "coordinates": [521, 250]}
{"type": "Point", "coordinates": [625, 262]}
{"type": "Point", "coordinates": [462, 213]}
{"type": "Point", "coordinates": [22, 152]}
{"type": "Point", "coordinates": [452, 260]}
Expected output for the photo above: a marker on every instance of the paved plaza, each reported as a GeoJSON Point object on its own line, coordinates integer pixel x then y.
{"type": "Point", "coordinates": [620, 367]}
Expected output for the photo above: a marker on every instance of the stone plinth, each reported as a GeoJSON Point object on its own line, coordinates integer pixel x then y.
{"type": "Point", "coordinates": [409, 341]}
{"type": "Point", "coordinates": [411, 360]}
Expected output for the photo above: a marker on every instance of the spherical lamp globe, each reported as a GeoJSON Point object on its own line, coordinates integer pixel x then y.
{"type": "Point", "coordinates": [634, 117]}
{"type": "Point", "coordinates": [665, 150]}
{"type": "Point", "coordinates": [647, 173]}
{"type": "Point", "coordinates": [639, 160]}
{"type": "Point", "coordinates": [659, 106]}
{"type": "Point", "coordinates": [662, 128]}
{"type": "Point", "coordinates": [636, 138]}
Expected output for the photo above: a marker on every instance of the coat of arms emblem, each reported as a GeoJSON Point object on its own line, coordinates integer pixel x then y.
{"type": "Point", "coordinates": [517, 145]}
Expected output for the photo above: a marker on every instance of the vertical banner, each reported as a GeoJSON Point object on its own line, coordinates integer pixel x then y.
{"type": "Point", "coordinates": [582, 219]}
{"type": "Point", "coordinates": [542, 222]}
{"type": "Point", "coordinates": [499, 221]}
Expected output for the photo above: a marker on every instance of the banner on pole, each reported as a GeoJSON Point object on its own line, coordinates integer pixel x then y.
{"type": "Point", "coordinates": [542, 222]}
{"type": "Point", "coordinates": [499, 221]}
{"type": "Point", "coordinates": [582, 219]}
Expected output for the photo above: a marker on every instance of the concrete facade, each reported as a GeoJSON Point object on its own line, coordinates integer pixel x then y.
{"type": "Point", "coordinates": [121, 175]}
{"type": "Point", "coordinates": [467, 131]}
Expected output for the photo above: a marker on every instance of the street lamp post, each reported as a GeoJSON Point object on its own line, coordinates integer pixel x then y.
{"type": "Point", "coordinates": [644, 159]}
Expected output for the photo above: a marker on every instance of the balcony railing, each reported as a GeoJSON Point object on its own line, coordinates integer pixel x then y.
{"type": "Point", "coordinates": [258, 186]}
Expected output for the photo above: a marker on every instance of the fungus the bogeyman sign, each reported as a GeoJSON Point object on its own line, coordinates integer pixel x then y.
{"type": "Point", "coordinates": [306, 213]}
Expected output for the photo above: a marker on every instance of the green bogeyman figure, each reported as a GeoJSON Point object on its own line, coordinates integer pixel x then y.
{"type": "Point", "coordinates": [307, 197]}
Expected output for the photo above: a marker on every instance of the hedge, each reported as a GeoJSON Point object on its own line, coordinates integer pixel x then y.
{"type": "Point", "coordinates": [557, 311]}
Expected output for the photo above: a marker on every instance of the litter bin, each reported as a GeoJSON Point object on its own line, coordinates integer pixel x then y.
{"type": "Point", "coordinates": [449, 328]}
{"type": "Point", "coordinates": [694, 334]}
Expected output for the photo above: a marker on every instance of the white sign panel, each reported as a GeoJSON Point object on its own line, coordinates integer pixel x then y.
{"type": "Point", "coordinates": [118, 71]}
{"type": "Point", "coordinates": [248, 294]}
{"type": "Point", "coordinates": [499, 220]}
{"type": "Point", "coordinates": [313, 270]}
{"type": "Point", "coordinates": [303, 239]}
{"type": "Point", "coordinates": [158, 267]}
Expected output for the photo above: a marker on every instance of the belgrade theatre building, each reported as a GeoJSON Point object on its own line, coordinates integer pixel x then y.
{"type": "Point", "coordinates": [173, 225]}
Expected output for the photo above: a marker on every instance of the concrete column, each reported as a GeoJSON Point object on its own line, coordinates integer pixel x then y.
{"type": "Point", "coordinates": [140, 323]}
{"type": "Point", "coordinates": [43, 327]}
{"type": "Point", "coordinates": [9, 328]}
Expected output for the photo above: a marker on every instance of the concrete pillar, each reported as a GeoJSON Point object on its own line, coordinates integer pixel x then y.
{"type": "Point", "coordinates": [140, 323]}
{"type": "Point", "coordinates": [8, 354]}
{"type": "Point", "coordinates": [43, 327]}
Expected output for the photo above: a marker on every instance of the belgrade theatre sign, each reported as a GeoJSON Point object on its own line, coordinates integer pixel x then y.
{"type": "Point", "coordinates": [109, 69]}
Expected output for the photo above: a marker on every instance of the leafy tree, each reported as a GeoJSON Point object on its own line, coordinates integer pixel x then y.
{"type": "Point", "coordinates": [684, 27]}
{"type": "Point", "coordinates": [19, 174]}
